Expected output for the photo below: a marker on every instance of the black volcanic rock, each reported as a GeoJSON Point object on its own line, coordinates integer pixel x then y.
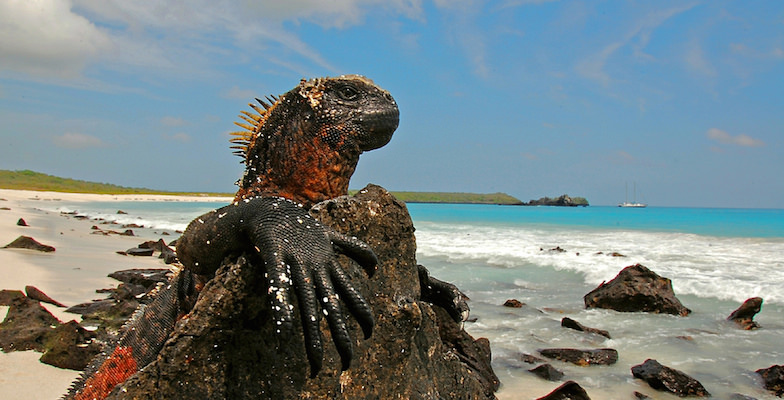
{"type": "Point", "coordinates": [667, 379]}
{"type": "Point", "coordinates": [744, 315]}
{"type": "Point", "coordinates": [26, 242]}
{"type": "Point", "coordinates": [568, 391]}
{"type": "Point", "coordinates": [637, 288]}
{"type": "Point", "coordinates": [70, 346]}
{"type": "Point", "coordinates": [567, 322]}
{"type": "Point", "coordinates": [773, 378]}
{"type": "Point", "coordinates": [547, 372]}
{"type": "Point", "coordinates": [416, 351]}
{"type": "Point", "coordinates": [36, 294]}
{"type": "Point", "coordinates": [26, 325]}
{"type": "Point", "coordinates": [582, 357]}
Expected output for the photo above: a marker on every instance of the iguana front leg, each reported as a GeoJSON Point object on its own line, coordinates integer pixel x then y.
{"type": "Point", "coordinates": [297, 251]}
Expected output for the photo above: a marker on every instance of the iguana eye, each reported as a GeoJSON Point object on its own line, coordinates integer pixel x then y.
{"type": "Point", "coordinates": [348, 92]}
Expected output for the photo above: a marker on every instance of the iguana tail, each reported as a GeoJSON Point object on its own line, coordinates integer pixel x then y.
{"type": "Point", "coordinates": [139, 341]}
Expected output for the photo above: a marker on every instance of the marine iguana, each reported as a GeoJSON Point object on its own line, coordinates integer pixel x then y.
{"type": "Point", "coordinates": [298, 149]}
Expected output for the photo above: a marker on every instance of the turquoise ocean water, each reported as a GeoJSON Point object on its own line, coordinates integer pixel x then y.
{"type": "Point", "coordinates": [716, 258]}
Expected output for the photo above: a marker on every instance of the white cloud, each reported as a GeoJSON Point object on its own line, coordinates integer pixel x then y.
{"type": "Point", "coordinates": [61, 38]}
{"type": "Point", "coordinates": [45, 38]}
{"type": "Point", "coordinates": [72, 140]}
{"type": "Point", "coordinates": [738, 140]}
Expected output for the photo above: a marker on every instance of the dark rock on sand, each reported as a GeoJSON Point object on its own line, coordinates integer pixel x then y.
{"type": "Point", "coordinates": [29, 326]}
{"type": "Point", "coordinates": [111, 313]}
{"type": "Point", "coordinates": [641, 396]}
{"type": "Point", "coordinates": [514, 303]}
{"type": "Point", "coordinates": [167, 254]}
{"type": "Point", "coordinates": [108, 314]}
{"type": "Point", "coordinates": [147, 277]}
{"type": "Point", "coordinates": [36, 294]}
{"type": "Point", "coordinates": [568, 391]}
{"type": "Point", "coordinates": [773, 379]}
{"type": "Point", "coordinates": [637, 288]}
{"type": "Point", "coordinates": [139, 252]}
{"type": "Point", "coordinates": [230, 329]}
{"type": "Point", "coordinates": [70, 346]}
{"type": "Point", "coordinates": [567, 322]}
{"type": "Point", "coordinates": [6, 295]}
{"type": "Point", "coordinates": [744, 315]}
{"type": "Point", "coordinates": [22, 222]}
{"type": "Point", "coordinates": [547, 372]}
{"type": "Point", "coordinates": [26, 242]}
{"type": "Point", "coordinates": [666, 379]}
{"type": "Point", "coordinates": [582, 357]}
{"type": "Point", "coordinates": [26, 325]}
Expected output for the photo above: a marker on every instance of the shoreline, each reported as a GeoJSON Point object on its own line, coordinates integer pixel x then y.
{"type": "Point", "coordinates": [70, 275]}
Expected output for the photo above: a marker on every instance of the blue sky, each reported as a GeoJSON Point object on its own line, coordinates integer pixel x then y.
{"type": "Point", "coordinates": [531, 98]}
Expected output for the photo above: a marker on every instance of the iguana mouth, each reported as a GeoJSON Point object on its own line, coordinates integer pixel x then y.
{"type": "Point", "coordinates": [379, 127]}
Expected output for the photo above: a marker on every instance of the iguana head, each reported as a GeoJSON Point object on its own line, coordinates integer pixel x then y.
{"type": "Point", "coordinates": [305, 144]}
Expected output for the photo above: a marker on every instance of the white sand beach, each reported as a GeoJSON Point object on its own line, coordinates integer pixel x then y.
{"type": "Point", "coordinates": [70, 275]}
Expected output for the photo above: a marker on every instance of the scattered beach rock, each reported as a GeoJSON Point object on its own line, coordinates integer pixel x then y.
{"type": "Point", "coordinates": [514, 303]}
{"type": "Point", "coordinates": [29, 326]}
{"type": "Point", "coordinates": [22, 222]}
{"type": "Point", "coordinates": [667, 379]}
{"type": "Point", "coordinates": [26, 242]}
{"type": "Point", "coordinates": [139, 252]}
{"type": "Point", "coordinates": [547, 372]}
{"type": "Point", "coordinates": [773, 379]}
{"type": "Point", "coordinates": [111, 313]}
{"type": "Point", "coordinates": [36, 294]}
{"type": "Point", "coordinates": [582, 357]}
{"type": "Point", "coordinates": [6, 295]}
{"type": "Point", "coordinates": [26, 325]}
{"type": "Point", "coordinates": [641, 396]}
{"type": "Point", "coordinates": [70, 346]}
{"type": "Point", "coordinates": [568, 391]}
{"type": "Point", "coordinates": [147, 277]}
{"type": "Point", "coordinates": [567, 322]}
{"type": "Point", "coordinates": [744, 315]}
{"type": "Point", "coordinates": [230, 329]}
{"type": "Point", "coordinates": [637, 288]}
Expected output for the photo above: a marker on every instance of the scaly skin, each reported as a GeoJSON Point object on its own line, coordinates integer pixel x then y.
{"type": "Point", "coordinates": [299, 150]}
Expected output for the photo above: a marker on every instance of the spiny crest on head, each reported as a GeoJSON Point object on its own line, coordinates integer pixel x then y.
{"type": "Point", "coordinates": [253, 123]}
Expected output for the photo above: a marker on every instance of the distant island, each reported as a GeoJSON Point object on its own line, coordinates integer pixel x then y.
{"type": "Point", "coordinates": [560, 201]}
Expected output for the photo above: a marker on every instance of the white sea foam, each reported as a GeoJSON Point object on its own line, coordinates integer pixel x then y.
{"type": "Point", "coordinates": [704, 266]}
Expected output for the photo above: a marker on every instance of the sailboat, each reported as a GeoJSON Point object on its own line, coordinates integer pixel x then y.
{"type": "Point", "coordinates": [634, 203]}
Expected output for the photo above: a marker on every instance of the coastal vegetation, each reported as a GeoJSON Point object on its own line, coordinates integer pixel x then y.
{"type": "Point", "coordinates": [31, 180]}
